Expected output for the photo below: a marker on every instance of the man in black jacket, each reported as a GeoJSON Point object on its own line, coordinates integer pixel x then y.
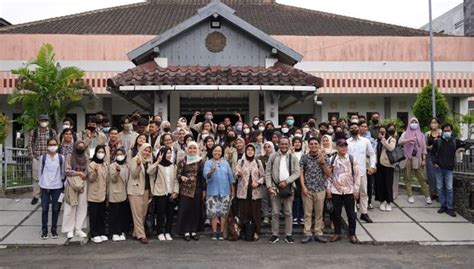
{"type": "Point", "coordinates": [444, 157]}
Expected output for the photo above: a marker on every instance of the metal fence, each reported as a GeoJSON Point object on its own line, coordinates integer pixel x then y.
{"type": "Point", "coordinates": [16, 168]}
{"type": "Point", "coordinates": [465, 161]}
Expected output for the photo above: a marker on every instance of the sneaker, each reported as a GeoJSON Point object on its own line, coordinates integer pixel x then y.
{"type": "Point", "coordinates": [187, 237]}
{"type": "Point", "coordinates": [70, 235]}
{"type": "Point", "coordinates": [81, 234]}
{"type": "Point", "coordinates": [97, 239]}
{"type": "Point", "coordinates": [161, 237]}
{"type": "Point", "coordinates": [370, 206]}
{"type": "Point", "coordinates": [104, 238]}
{"type": "Point", "coordinates": [451, 213]}
{"type": "Point", "coordinates": [34, 201]}
{"type": "Point", "coordinates": [442, 210]}
{"type": "Point", "coordinates": [44, 235]}
{"type": "Point", "coordinates": [115, 237]}
{"type": "Point", "coordinates": [274, 239]}
{"type": "Point", "coordinates": [221, 237]}
{"type": "Point", "coordinates": [54, 234]}
{"type": "Point", "coordinates": [411, 200]}
{"type": "Point", "coordinates": [168, 237]}
{"type": "Point", "coordinates": [122, 237]}
{"type": "Point", "coordinates": [289, 239]}
{"type": "Point", "coordinates": [301, 221]}
{"type": "Point", "coordinates": [295, 221]}
{"type": "Point", "coordinates": [388, 207]}
{"type": "Point", "coordinates": [214, 237]}
{"type": "Point", "coordinates": [428, 200]}
{"type": "Point", "coordinates": [266, 220]}
{"type": "Point", "coordinates": [383, 206]}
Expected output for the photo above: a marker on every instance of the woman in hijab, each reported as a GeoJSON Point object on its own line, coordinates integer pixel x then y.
{"type": "Point", "coordinates": [118, 206]}
{"type": "Point", "coordinates": [268, 149]}
{"type": "Point", "coordinates": [138, 189]}
{"type": "Point", "coordinates": [191, 194]}
{"type": "Point", "coordinates": [250, 176]}
{"type": "Point", "coordinates": [414, 147]}
{"type": "Point", "coordinates": [165, 189]}
{"type": "Point", "coordinates": [327, 145]}
{"type": "Point", "coordinates": [98, 171]}
{"type": "Point", "coordinates": [75, 214]}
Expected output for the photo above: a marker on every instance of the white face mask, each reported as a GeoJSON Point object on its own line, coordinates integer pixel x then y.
{"type": "Point", "coordinates": [204, 136]}
{"type": "Point", "coordinates": [305, 130]}
{"type": "Point", "coordinates": [284, 130]}
{"type": "Point", "coordinates": [261, 128]}
{"type": "Point", "coordinates": [298, 135]}
{"type": "Point", "coordinates": [414, 126]}
{"type": "Point", "coordinates": [255, 122]}
{"type": "Point", "coordinates": [246, 131]}
{"type": "Point", "coordinates": [100, 156]}
{"type": "Point", "coordinates": [66, 126]}
{"type": "Point", "coordinates": [119, 158]}
{"type": "Point", "coordinates": [52, 148]}
{"type": "Point", "coordinates": [44, 124]}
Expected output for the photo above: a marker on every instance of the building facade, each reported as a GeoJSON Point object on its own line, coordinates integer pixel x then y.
{"type": "Point", "coordinates": [255, 57]}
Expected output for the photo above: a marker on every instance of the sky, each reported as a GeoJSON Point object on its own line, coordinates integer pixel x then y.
{"type": "Point", "coordinates": [411, 13]}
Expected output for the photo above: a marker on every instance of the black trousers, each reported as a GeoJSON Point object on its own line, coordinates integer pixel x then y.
{"type": "Point", "coordinates": [164, 213]}
{"type": "Point", "coordinates": [96, 218]}
{"type": "Point", "coordinates": [117, 217]}
{"type": "Point", "coordinates": [384, 184]}
{"type": "Point", "coordinates": [370, 187]}
{"type": "Point", "coordinates": [346, 200]}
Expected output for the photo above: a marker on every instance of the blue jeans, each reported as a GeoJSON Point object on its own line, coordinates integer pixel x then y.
{"type": "Point", "coordinates": [444, 185]}
{"type": "Point", "coordinates": [50, 197]}
{"type": "Point", "coordinates": [431, 173]}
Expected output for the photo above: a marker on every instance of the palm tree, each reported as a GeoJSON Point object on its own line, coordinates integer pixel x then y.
{"type": "Point", "coordinates": [44, 87]}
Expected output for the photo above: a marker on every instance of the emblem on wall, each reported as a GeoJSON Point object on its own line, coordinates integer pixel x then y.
{"type": "Point", "coordinates": [215, 42]}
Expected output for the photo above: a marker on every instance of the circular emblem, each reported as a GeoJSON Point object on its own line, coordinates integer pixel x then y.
{"type": "Point", "coordinates": [215, 42]}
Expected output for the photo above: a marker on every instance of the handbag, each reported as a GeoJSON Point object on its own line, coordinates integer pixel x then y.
{"type": "Point", "coordinates": [396, 155]}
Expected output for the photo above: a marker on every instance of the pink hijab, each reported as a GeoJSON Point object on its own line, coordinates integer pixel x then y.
{"type": "Point", "coordinates": [419, 145]}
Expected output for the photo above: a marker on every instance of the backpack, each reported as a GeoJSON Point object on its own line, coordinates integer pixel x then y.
{"type": "Point", "coordinates": [351, 159]}
{"type": "Point", "coordinates": [61, 160]}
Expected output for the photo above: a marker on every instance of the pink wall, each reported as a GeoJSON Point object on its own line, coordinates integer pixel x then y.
{"type": "Point", "coordinates": [314, 48]}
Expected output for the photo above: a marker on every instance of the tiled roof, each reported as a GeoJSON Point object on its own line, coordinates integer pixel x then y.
{"type": "Point", "coordinates": [156, 16]}
{"type": "Point", "coordinates": [151, 74]}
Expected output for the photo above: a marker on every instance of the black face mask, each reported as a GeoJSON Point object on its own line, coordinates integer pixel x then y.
{"type": "Point", "coordinates": [167, 130]}
{"type": "Point", "coordinates": [231, 138]}
{"type": "Point", "coordinates": [323, 132]}
{"type": "Point", "coordinates": [354, 132]}
{"type": "Point", "coordinates": [221, 131]}
{"type": "Point", "coordinates": [340, 135]}
{"type": "Point", "coordinates": [311, 124]}
{"type": "Point", "coordinates": [391, 131]}
{"type": "Point", "coordinates": [91, 128]}
{"type": "Point", "coordinates": [80, 150]}
{"type": "Point", "coordinates": [375, 121]}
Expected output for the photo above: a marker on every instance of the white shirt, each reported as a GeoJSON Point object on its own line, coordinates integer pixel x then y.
{"type": "Point", "coordinates": [360, 149]}
{"type": "Point", "coordinates": [168, 171]}
{"type": "Point", "coordinates": [50, 179]}
{"type": "Point", "coordinates": [284, 173]}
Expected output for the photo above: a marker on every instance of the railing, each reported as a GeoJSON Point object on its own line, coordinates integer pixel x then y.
{"type": "Point", "coordinates": [16, 168]}
{"type": "Point", "coordinates": [465, 161]}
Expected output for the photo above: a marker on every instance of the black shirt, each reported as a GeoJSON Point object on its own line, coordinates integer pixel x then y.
{"type": "Point", "coordinates": [444, 152]}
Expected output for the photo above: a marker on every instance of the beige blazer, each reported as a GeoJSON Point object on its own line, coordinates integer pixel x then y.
{"type": "Point", "coordinates": [157, 176]}
{"type": "Point", "coordinates": [136, 181]}
{"type": "Point", "coordinates": [388, 145]}
{"type": "Point", "coordinates": [97, 188]}
{"type": "Point", "coordinates": [117, 182]}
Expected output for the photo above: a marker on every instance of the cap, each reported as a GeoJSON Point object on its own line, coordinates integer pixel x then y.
{"type": "Point", "coordinates": [341, 142]}
{"type": "Point", "coordinates": [43, 117]}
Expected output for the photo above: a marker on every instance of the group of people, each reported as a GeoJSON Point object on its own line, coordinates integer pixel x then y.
{"type": "Point", "coordinates": [227, 173]}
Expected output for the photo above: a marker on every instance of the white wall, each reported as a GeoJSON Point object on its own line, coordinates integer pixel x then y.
{"type": "Point", "coordinates": [344, 104]}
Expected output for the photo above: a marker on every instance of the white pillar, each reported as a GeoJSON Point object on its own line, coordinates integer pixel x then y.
{"type": "Point", "coordinates": [161, 104]}
{"type": "Point", "coordinates": [464, 110]}
{"type": "Point", "coordinates": [175, 107]}
{"type": "Point", "coordinates": [271, 107]}
{"type": "Point", "coordinates": [254, 109]}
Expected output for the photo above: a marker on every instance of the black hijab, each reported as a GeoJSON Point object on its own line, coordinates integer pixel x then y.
{"type": "Point", "coordinates": [94, 158]}
{"type": "Point", "coordinates": [250, 159]}
{"type": "Point", "coordinates": [164, 162]}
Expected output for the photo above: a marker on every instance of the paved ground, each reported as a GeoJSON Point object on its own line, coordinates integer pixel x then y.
{"type": "Point", "coordinates": [406, 223]}
{"type": "Point", "coordinates": [208, 254]}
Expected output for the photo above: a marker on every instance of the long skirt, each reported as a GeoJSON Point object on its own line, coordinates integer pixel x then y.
{"type": "Point", "coordinates": [191, 214]}
{"type": "Point", "coordinates": [384, 184]}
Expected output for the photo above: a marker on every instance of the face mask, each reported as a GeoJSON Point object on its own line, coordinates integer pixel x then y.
{"type": "Point", "coordinates": [323, 132]}
{"type": "Point", "coordinates": [221, 131]}
{"type": "Point", "coordinates": [375, 121]}
{"type": "Point", "coordinates": [100, 156]}
{"type": "Point", "coordinates": [80, 150]}
{"type": "Point", "coordinates": [91, 128]}
{"type": "Point", "coordinates": [298, 135]}
{"type": "Point", "coordinates": [44, 124]}
{"type": "Point", "coordinates": [290, 122]}
{"type": "Point", "coordinates": [305, 130]}
{"type": "Point", "coordinates": [312, 124]}
{"type": "Point", "coordinates": [238, 128]}
{"type": "Point", "coordinates": [246, 131]}
{"type": "Point", "coordinates": [204, 136]}
{"type": "Point", "coordinates": [167, 129]}
{"type": "Point", "coordinates": [128, 126]}
{"type": "Point", "coordinates": [329, 132]}
{"type": "Point", "coordinates": [52, 148]}
{"type": "Point", "coordinates": [261, 128]}
{"type": "Point", "coordinates": [340, 135]}
{"type": "Point", "coordinates": [66, 127]}
{"type": "Point", "coordinates": [413, 126]}
{"type": "Point", "coordinates": [231, 138]}
{"type": "Point", "coordinates": [208, 117]}
{"type": "Point", "coordinates": [285, 130]}
{"type": "Point", "coordinates": [391, 131]}
{"type": "Point", "coordinates": [120, 158]}
{"type": "Point", "coordinates": [255, 122]}
{"type": "Point", "coordinates": [354, 132]}
{"type": "Point", "coordinates": [447, 135]}
{"type": "Point", "coordinates": [106, 129]}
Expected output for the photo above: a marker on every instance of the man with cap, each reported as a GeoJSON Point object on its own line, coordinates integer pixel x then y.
{"type": "Point", "coordinates": [361, 149]}
{"type": "Point", "coordinates": [343, 188]}
{"type": "Point", "coordinates": [37, 146]}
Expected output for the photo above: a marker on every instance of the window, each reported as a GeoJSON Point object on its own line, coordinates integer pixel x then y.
{"type": "Point", "coordinates": [349, 114]}
{"type": "Point", "coordinates": [403, 116]}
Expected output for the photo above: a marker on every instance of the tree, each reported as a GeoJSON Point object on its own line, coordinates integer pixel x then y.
{"type": "Point", "coordinates": [44, 87]}
{"type": "Point", "coordinates": [422, 108]}
{"type": "Point", "coordinates": [4, 128]}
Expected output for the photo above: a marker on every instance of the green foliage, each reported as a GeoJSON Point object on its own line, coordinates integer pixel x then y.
{"type": "Point", "coordinates": [44, 87]}
{"type": "Point", "coordinates": [422, 108]}
{"type": "Point", "coordinates": [456, 122]}
{"type": "Point", "coordinates": [4, 127]}
{"type": "Point", "coordinates": [399, 125]}
{"type": "Point", "coordinates": [469, 121]}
